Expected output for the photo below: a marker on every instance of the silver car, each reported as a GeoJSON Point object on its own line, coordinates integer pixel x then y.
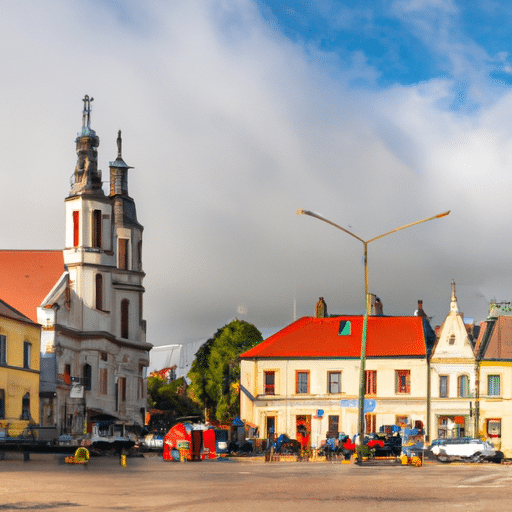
{"type": "Point", "coordinates": [465, 448]}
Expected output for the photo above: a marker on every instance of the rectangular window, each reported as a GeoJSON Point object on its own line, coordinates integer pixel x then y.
{"type": "Point", "coordinates": [463, 385]}
{"type": "Point", "coordinates": [123, 253]}
{"type": "Point", "coordinates": [334, 422]}
{"type": "Point", "coordinates": [76, 228]}
{"type": "Point", "coordinates": [270, 383]}
{"type": "Point", "coordinates": [3, 349]}
{"type": "Point", "coordinates": [370, 423]}
{"type": "Point", "coordinates": [370, 386]}
{"type": "Point", "coordinates": [334, 382]}
{"type": "Point", "coordinates": [125, 307]}
{"type": "Point", "coordinates": [301, 382]}
{"type": "Point", "coordinates": [27, 349]}
{"type": "Point", "coordinates": [25, 407]}
{"type": "Point", "coordinates": [99, 291]}
{"type": "Point", "coordinates": [443, 386]}
{"type": "Point", "coordinates": [122, 389]}
{"type": "Point", "coordinates": [2, 404]}
{"type": "Point", "coordinates": [96, 229]}
{"type": "Point", "coordinates": [403, 382]}
{"type": "Point", "coordinates": [103, 381]}
{"type": "Point", "coordinates": [493, 385]}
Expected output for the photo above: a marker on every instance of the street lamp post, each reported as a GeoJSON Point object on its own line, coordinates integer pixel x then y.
{"type": "Point", "coordinates": [367, 299]}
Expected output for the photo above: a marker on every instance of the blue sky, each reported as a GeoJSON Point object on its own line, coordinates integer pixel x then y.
{"type": "Point", "coordinates": [405, 42]}
{"type": "Point", "coordinates": [236, 113]}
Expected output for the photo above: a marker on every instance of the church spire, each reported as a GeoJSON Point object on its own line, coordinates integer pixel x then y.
{"type": "Point", "coordinates": [453, 303]}
{"type": "Point", "coordinates": [119, 172]}
{"type": "Point", "coordinates": [87, 178]}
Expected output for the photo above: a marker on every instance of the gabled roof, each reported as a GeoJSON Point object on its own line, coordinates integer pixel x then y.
{"type": "Point", "coordinates": [495, 339]}
{"type": "Point", "coordinates": [387, 336]}
{"type": "Point", "coordinates": [9, 312]}
{"type": "Point", "coordinates": [26, 277]}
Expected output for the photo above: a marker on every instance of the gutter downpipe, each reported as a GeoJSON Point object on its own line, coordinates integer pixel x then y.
{"type": "Point", "coordinates": [427, 437]}
{"type": "Point", "coordinates": [477, 398]}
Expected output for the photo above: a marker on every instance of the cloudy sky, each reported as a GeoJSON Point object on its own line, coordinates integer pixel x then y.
{"type": "Point", "coordinates": [236, 113]}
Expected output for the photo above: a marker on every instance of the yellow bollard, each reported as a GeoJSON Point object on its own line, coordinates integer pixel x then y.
{"type": "Point", "coordinates": [123, 460]}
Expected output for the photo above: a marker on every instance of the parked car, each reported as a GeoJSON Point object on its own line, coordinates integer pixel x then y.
{"type": "Point", "coordinates": [154, 441]}
{"type": "Point", "coordinates": [464, 448]}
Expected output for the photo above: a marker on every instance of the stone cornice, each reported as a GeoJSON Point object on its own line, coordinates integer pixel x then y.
{"type": "Point", "coordinates": [84, 335]}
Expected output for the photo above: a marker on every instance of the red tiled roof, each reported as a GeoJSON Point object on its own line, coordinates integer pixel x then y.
{"type": "Point", "coordinates": [387, 336]}
{"type": "Point", "coordinates": [9, 312]}
{"type": "Point", "coordinates": [26, 278]}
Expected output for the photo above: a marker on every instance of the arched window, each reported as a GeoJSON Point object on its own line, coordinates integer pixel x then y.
{"type": "Point", "coordinates": [125, 304]}
{"type": "Point", "coordinates": [87, 376]}
{"type": "Point", "coordinates": [463, 386]}
{"type": "Point", "coordinates": [451, 339]}
{"type": "Point", "coordinates": [99, 291]}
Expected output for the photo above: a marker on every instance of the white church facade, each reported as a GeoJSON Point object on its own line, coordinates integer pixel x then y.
{"type": "Point", "coordinates": [92, 319]}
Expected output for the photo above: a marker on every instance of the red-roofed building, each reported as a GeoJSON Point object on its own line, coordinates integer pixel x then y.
{"type": "Point", "coordinates": [26, 278]}
{"type": "Point", "coordinates": [307, 374]}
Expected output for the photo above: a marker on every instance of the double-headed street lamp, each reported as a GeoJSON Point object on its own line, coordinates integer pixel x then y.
{"type": "Point", "coordinates": [367, 298]}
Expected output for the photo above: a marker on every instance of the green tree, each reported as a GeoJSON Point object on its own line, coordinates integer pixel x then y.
{"type": "Point", "coordinates": [170, 398]}
{"type": "Point", "coordinates": [215, 373]}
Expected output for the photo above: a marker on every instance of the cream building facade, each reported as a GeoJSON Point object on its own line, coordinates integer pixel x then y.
{"type": "Point", "coordinates": [453, 378]}
{"type": "Point", "coordinates": [308, 374]}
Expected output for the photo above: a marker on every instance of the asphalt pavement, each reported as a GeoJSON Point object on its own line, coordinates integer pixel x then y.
{"type": "Point", "coordinates": [149, 484]}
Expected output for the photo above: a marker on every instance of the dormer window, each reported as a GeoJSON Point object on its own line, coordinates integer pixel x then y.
{"type": "Point", "coordinates": [344, 329]}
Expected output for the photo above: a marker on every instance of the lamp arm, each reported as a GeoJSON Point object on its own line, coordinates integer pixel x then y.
{"type": "Point", "coordinates": [444, 214]}
{"type": "Point", "coordinates": [317, 216]}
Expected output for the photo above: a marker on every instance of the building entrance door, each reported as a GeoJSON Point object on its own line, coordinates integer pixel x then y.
{"type": "Point", "coordinates": [303, 430]}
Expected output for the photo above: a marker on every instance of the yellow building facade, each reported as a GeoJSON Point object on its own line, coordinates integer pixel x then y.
{"type": "Point", "coordinates": [20, 340]}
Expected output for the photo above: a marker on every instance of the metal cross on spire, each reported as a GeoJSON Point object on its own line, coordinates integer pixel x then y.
{"type": "Point", "coordinates": [86, 118]}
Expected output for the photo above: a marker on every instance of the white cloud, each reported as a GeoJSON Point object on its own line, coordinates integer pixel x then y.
{"type": "Point", "coordinates": [231, 128]}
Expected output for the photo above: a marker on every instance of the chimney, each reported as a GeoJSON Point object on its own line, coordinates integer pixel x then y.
{"type": "Point", "coordinates": [420, 311]}
{"type": "Point", "coordinates": [321, 308]}
{"type": "Point", "coordinates": [376, 306]}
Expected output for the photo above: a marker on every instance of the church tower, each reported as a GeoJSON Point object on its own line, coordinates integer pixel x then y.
{"type": "Point", "coordinates": [95, 310]}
